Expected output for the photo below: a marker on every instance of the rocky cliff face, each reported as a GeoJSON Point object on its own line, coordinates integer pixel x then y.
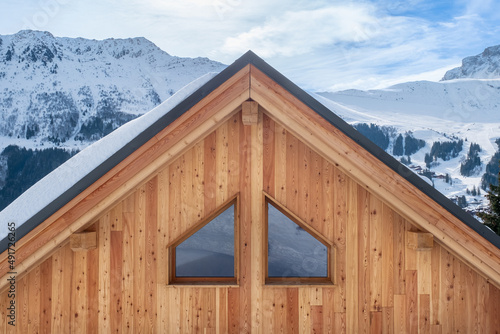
{"type": "Point", "coordinates": [482, 66]}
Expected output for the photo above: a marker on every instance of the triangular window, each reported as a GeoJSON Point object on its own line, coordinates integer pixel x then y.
{"type": "Point", "coordinates": [207, 253]}
{"type": "Point", "coordinates": [295, 252]}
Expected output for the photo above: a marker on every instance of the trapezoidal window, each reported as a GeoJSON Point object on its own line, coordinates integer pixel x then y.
{"type": "Point", "coordinates": [207, 253]}
{"type": "Point", "coordinates": [295, 253]}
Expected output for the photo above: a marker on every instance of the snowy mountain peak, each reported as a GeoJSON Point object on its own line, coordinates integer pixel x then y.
{"type": "Point", "coordinates": [482, 66]}
{"type": "Point", "coordinates": [56, 89]}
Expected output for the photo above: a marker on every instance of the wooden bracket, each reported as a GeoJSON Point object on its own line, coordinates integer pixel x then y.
{"type": "Point", "coordinates": [83, 241]}
{"type": "Point", "coordinates": [419, 240]}
{"type": "Point", "coordinates": [250, 112]}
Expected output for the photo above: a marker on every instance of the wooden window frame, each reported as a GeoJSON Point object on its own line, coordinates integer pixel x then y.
{"type": "Point", "coordinates": [173, 280]}
{"type": "Point", "coordinates": [328, 280]}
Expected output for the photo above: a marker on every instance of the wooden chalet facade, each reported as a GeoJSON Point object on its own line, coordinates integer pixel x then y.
{"type": "Point", "coordinates": [404, 259]}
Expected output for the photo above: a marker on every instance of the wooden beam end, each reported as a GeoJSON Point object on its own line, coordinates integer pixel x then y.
{"type": "Point", "coordinates": [83, 241]}
{"type": "Point", "coordinates": [250, 112]}
{"type": "Point", "coordinates": [419, 240]}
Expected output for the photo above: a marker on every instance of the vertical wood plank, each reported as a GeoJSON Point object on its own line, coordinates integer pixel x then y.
{"type": "Point", "coordinates": [305, 310]}
{"type": "Point", "coordinates": [222, 158]}
{"type": "Point", "coordinates": [22, 302]}
{"type": "Point", "coordinates": [78, 293]}
{"type": "Point", "coordinates": [150, 253]}
{"type": "Point", "coordinates": [333, 319]}
{"type": "Point", "coordinates": [411, 260]}
{"type": "Point", "coordinates": [376, 229]}
{"type": "Point", "coordinates": [459, 292]}
{"type": "Point", "coordinates": [257, 224]}
{"type": "Point", "coordinates": [245, 290]}
{"type": "Point", "coordinates": [34, 290]}
{"type": "Point", "coordinates": [482, 304]}
{"type": "Point", "coordinates": [317, 319]}
{"type": "Point", "coordinates": [388, 320]}
{"type": "Point", "coordinates": [4, 313]}
{"type": "Point", "coordinates": [399, 255]}
{"type": "Point", "coordinates": [222, 311]}
{"type": "Point", "coordinates": [268, 305]}
{"type": "Point", "coordinates": [375, 322]}
{"type": "Point", "coordinates": [128, 256]}
{"type": "Point", "coordinates": [62, 272]}
{"type": "Point", "coordinates": [7, 324]}
{"type": "Point", "coordinates": [292, 172]}
{"type": "Point", "coordinates": [139, 258]}
{"type": "Point", "coordinates": [116, 275]}
{"type": "Point", "coordinates": [280, 165]}
{"type": "Point", "coordinates": [292, 302]}
{"type": "Point", "coordinates": [234, 155]}
{"type": "Point", "coordinates": [470, 292]}
{"type": "Point", "coordinates": [352, 252]}
{"type": "Point", "coordinates": [424, 272]}
{"type": "Point", "coordinates": [233, 304]}
{"type": "Point", "coordinates": [174, 310]}
{"type": "Point", "coordinates": [279, 311]}
{"type": "Point", "coordinates": [435, 283]}
{"type": "Point", "coordinates": [387, 257]}
{"type": "Point", "coordinates": [104, 299]}
{"type": "Point", "coordinates": [116, 217]}
{"type": "Point", "coordinates": [424, 313]}
{"type": "Point", "coordinates": [304, 184]}
{"type": "Point", "coordinates": [412, 301]}
{"type": "Point", "coordinates": [269, 156]}
{"type": "Point", "coordinates": [493, 320]}
{"type": "Point", "coordinates": [339, 235]}
{"type": "Point", "coordinates": [162, 263]}
{"type": "Point", "coordinates": [400, 316]}
{"type": "Point", "coordinates": [363, 260]}
{"type": "Point", "coordinates": [46, 296]}
{"type": "Point", "coordinates": [328, 176]}
{"type": "Point", "coordinates": [446, 307]}
{"type": "Point", "coordinates": [209, 173]}
{"type": "Point", "coordinates": [175, 208]}
{"type": "Point", "coordinates": [92, 287]}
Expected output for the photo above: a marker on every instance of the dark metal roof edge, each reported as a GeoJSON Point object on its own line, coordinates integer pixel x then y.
{"type": "Point", "coordinates": [251, 58]}
{"type": "Point", "coordinates": [379, 153]}
{"type": "Point", "coordinates": [125, 151]}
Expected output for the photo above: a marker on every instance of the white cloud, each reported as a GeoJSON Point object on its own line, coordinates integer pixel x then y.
{"type": "Point", "coordinates": [300, 32]}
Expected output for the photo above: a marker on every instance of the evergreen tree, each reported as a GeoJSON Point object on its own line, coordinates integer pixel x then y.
{"type": "Point", "coordinates": [398, 146]}
{"type": "Point", "coordinates": [491, 217]}
{"type": "Point", "coordinates": [428, 160]}
{"type": "Point", "coordinates": [462, 201]}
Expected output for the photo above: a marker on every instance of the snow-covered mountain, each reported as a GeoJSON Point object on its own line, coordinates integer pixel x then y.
{"type": "Point", "coordinates": [58, 95]}
{"type": "Point", "coordinates": [61, 94]}
{"type": "Point", "coordinates": [460, 113]}
{"type": "Point", "coordinates": [59, 89]}
{"type": "Point", "coordinates": [482, 66]}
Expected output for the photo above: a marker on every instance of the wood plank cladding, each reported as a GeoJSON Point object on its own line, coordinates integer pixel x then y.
{"type": "Point", "coordinates": [381, 284]}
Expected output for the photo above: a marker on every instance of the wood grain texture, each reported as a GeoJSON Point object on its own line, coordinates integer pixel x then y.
{"type": "Point", "coordinates": [381, 284]}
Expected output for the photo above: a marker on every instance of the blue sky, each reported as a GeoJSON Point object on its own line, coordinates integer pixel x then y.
{"type": "Point", "coordinates": [321, 45]}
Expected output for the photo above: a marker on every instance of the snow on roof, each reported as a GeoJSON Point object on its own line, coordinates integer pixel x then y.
{"type": "Point", "coordinates": [68, 174]}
